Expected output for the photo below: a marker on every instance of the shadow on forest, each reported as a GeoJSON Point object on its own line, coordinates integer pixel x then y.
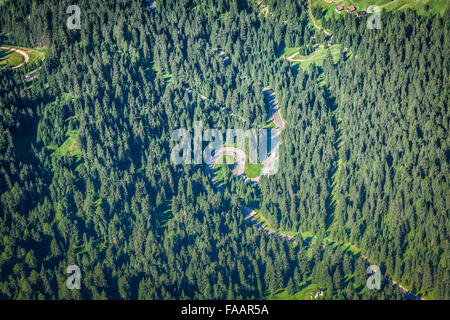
{"type": "Point", "coordinates": [330, 204]}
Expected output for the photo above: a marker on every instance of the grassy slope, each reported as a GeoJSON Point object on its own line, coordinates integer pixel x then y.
{"type": "Point", "coordinates": [36, 55]}
{"type": "Point", "coordinates": [318, 56]}
{"type": "Point", "coordinates": [10, 59]}
{"type": "Point", "coordinates": [269, 125]}
{"type": "Point", "coordinates": [435, 6]}
{"type": "Point", "coordinates": [250, 170]}
{"type": "Point", "coordinates": [263, 221]}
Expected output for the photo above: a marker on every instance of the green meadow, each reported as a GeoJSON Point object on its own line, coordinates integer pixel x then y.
{"type": "Point", "coordinates": [423, 7]}
{"type": "Point", "coordinates": [317, 57]}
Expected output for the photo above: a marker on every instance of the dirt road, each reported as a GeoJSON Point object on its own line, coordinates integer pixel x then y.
{"type": "Point", "coordinates": [23, 53]}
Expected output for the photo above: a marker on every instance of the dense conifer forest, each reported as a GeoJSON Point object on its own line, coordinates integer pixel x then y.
{"type": "Point", "coordinates": [86, 176]}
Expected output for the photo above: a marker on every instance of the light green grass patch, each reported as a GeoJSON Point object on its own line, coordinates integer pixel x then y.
{"type": "Point", "coordinates": [220, 168]}
{"type": "Point", "coordinates": [289, 51]}
{"type": "Point", "coordinates": [167, 76]}
{"type": "Point", "coordinates": [9, 58]}
{"type": "Point", "coordinates": [71, 146]}
{"type": "Point", "coordinates": [251, 170]}
{"type": "Point", "coordinates": [14, 58]}
{"type": "Point", "coordinates": [36, 55]}
{"type": "Point", "coordinates": [265, 223]}
{"type": "Point", "coordinates": [318, 56]}
{"type": "Point", "coordinates": [269, 125]}
{"type": "Point", "coordinates": [165, 214]}
{"type": "Point", "coordinates": [98, 202]}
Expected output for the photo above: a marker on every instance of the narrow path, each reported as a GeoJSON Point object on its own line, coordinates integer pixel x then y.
{"type": "Point", "coordinates": [314, 22]}
{"type": "Point", "coordinates": [270, 162]}
{"type": "Point", "coordinates": [23, 53]}
{"type": "Point", "coordinates": [296, 60]}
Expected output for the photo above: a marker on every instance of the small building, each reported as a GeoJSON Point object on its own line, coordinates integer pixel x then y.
{"type": "Point", "coordinates": [351, 9]}
{"type": "Point", "coordinates": [361, 13]}
{"type": "Point", "coordinates": [339, 9]}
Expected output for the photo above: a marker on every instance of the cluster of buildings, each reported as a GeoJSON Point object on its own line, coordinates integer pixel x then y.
{"type": "Point", "coordinates": [350, 9]}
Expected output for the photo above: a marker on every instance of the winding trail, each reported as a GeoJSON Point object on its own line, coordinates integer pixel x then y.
{"type": "Point", "coordinates": [270, 163]}
{"type": "Point", "coordinates": [250, 216]}
{"type": "Point", "coordinates": [21, 52]}
{"type": "Point", "coordinates": [270, 166]}
{"type": "Point", "coordinates": [291, 58]}
{"type": "Point", "coordinates": [314, 22]}
{"type": "Point", "coordinates": [236, 153]}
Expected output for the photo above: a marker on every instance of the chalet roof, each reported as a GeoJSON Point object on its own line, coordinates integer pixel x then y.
{"type": "Point", "coordinates": [361, 13]}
